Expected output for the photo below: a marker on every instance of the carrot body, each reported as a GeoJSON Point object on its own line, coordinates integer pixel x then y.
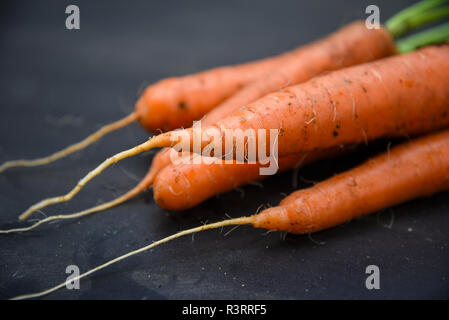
{"type": "Point", "coordinates": [401, 95]}
{"type": "Point", "coordinates": [182, 186]}
{"type": "Point", "coordinates": [415, 169]}
{"type": "Point", "coordinates": [176, 102]}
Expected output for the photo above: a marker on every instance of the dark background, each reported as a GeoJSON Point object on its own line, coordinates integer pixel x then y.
{"type": "Point", "coordinates": [58, 85]}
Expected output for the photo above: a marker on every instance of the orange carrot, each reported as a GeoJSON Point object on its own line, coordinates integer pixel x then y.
{"type": "Point", "coordinates": [415, 169]}
{"type": "Point", "coordinates": [183, 186]}
{"type": "Point", "coordinates": [402, 95]}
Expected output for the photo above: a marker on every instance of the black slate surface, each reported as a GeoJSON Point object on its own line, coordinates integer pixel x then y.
{"type": "Point", "coordinates": [56, 86]}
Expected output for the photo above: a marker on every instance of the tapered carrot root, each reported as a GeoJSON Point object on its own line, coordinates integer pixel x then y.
{"type": "Point", "coordinates": [158, 141]}
{"type": "Point", "coordinates": [146, 183]}
{"type": "Point", "coordinates": [237, 221]}
{"type": "Point", "coordinates": [142, 186]}
{"type": "Point", "coordinates": [414, 169]}
{"type": "Point", "coordinates": [72, 148]}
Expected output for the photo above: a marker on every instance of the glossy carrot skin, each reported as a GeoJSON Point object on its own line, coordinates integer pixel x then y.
{"type": "Point", "coordinates": [176, 102]}
{"type": "Point", "coordinates": [415, 169]}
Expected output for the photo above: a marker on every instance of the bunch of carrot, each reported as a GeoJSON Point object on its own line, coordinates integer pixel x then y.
{"type": "Point", "coordinates": [368, 95]}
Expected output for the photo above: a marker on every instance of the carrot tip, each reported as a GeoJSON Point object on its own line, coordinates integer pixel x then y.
{"type": "Point", "coordinates": [72, 148]}
{"type": "Point", "coordinates": [144, 184]}
{"type": "Point", "coordinates": [157, 141]}
{"type": "Point", "coordinates": [237, 221]}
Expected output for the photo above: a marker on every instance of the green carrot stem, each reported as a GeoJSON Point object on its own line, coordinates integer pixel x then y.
{"type": "Point", "coordinates": [434, 35]}
{"type": "Point", "coordinates": [427, 16]}
{"type": "Point", "coordinates": [420, 13]}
